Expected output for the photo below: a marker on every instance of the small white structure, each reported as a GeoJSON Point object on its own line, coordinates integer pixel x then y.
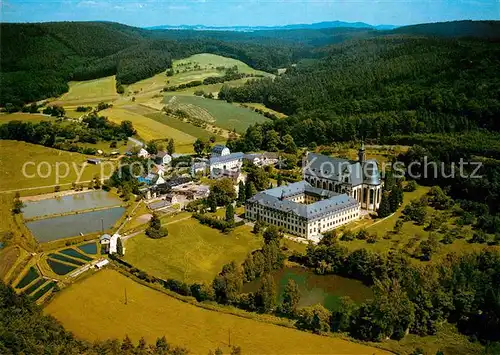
{"type": "Point", "coordinates": [163, 158]}
{"type": "Point", "coordinates": [220, 151]}
{"type": "Point", "coordinates": [113, 244]}
{"type": "Point", "coordinates": [101, 263]}
{"type": "Point", "coordinates": [104, 240]}
{"type": "Point", "coordinates": [143, 153]}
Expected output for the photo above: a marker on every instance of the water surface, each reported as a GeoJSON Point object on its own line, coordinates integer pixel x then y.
{"type": "Point", "coordinates": [70, 203]}
{"type": "Point", "coordinates": [49, 229]}
{"type": "Point", "coordinates": [314, 289]}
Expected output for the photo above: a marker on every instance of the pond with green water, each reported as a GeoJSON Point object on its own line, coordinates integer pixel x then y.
{"type": "Point", "coordinates": [66, 259]}
{"type": "Point", "coordinates": [90, 248]}
{"type": "Point", "coordinates": [43, 290]}
{"type": "Point", "coordinates": [30, 276]}
{"type": "Point", "coordinates": [36, 285]}
{"type": "Point", "coordinates": [60, 268]}
{"type": "Point", "coordinates": [75, 254]}
{"type": "Point", "coordinates": [314, 289]}
{"type": "Point", "coordinates": [70, 203]}
{"type": "Point", "coordinates": [49, 229]}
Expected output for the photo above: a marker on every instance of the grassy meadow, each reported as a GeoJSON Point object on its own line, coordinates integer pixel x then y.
{"type": "Point", "coordinates": [221, 113]}
{"type": "Point", "coordinates": [264, 108]}
{"type": "Point", "coordinates": [153, 314]}
{"type": "Point", "coordinates": [89, 92]}
{"type": "Point", "coordinates": [148, 128]}
{"type": "Point", "coordinates": [191, 252]}
{"type": "Point", "coordinates": [185, 127]}
{"type": "Point", "coordinates": [25, 117]}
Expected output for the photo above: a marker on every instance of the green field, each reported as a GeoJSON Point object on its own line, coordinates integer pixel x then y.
{"type": "Point", "coordinates": [94, 308]}
{"type": "Point", "coordinates": [187, 72]}
{"type": "Point", "coordinates": [191, 252]}
{"type": "Point", "coordinates": [264, 108]}
{"type": "Point", "coordinates": [222, 114]}
{"type": "Point", "coordinates": [148, 128]}
{"type": "Point", "coordinates": [25, 117]}
{"type": "Point", "coordinates": [89, 92]}
{"type": "Point", "coordinates": [185, 127]}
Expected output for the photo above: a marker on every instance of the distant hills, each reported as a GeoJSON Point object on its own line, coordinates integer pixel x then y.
{"type": "Point", "coordinates": [301, 26]}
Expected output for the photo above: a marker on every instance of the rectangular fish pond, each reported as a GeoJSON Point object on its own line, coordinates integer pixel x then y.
{"type": "Point", "coordinates": [70, 203]}
{"type": "Point", "coordinates": [33, 287]}
{"type": "Point", "coordinates": [38, 294]}
{"type": "Point", "coordinates": [30, 276]}
{"type": "Point", "coordinates": [75, 254]}
{"type": "Point", "coordinates": [66, 259]}
{"type": "Point", "coordinates": [60, 268]}
{"type": "Point", "coordinates": [49, 229]}
{"type": "Point", "coordinates": [89, 248]}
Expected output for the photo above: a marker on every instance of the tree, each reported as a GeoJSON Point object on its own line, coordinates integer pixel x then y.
{"type": "Point", "coordinates": [289, 144]}
{"type": "Point", "coordinates": [241, 193]}
{"type": "Point", "coordinates": [199, 146]}
{"type": "Point", "coordinates": [265, 298]}
{"type": "Point", "coordinates": [315, 318]}
{"type": "Point", "coordinates": [279, 180]}
{"type": "Point", "coordinates": [411, 186]}
{"type": "Point", "coordinates": [258, 177]}
{"type": "Point", "coordinates": [343, 315]}
{"type": "Point", "coordinates": [227, 285]}
{"type": "Point", "coordinates": [171, 146]}
{"type": "Point", "coordinates": [155, 230]}
{"type": "Point", "coordinates": [398, 226]}
{"type": "Point", "coordinates": [230, 213]}
{"type": "Point", "coordinates": [127, 128]}
{"type": "Point", "coordinates": [119, 247]}
{"type": "Point", "coordinates": [152, 147]}
{"type": "Point", "coordinates": [18, 205]}
{"type": "Point", "coordinates": [212, 203]}
{"type": "Point", "coordinates": [250, 190]}
{"type": "Point", "coordinates": [271, 141]}
{"type": "Point", "coordinates": [384, 208]}
{"type": "Point", "coordinates": [291, 298]}
{"type": "Point", "coordinates": [272, 233]}
{"type": "Point", "coordinates": [223, 192]}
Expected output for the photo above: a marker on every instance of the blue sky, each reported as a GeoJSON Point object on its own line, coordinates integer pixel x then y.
{"type": "Point", "coordinates": [250, 12]}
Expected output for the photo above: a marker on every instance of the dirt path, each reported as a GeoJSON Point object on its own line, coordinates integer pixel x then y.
{"type": "Point", "coordinates": [42, 187]}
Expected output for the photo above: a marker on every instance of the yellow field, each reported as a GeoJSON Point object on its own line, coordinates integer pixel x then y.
{"type": "Point", "coordinates": [147, 128]}
{"type": "Point", "coordinates": [89, 91]}
{"type": "Point", "coordinates": [15, 154]}
{"type": "Point", "coordinates": [209, 61]}
{"type": "Point", "coordinates": [192, 252]}
{"type": "Point", "coordinates": [94, 308]}
{"type": "Point", "coordinates": [26, 117]}
{"type": "Point", "coordinates": [8, 257]}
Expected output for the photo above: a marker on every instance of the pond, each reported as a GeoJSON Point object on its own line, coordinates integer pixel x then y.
{"type": "Point", "coordinates": [90, 248]}
{"type": "Point", "coordinates": [314, 289]}
{"type": "Point", "coordinates": [43, 290]}
{"type": "Point", "coordinates": [75, 254]}
{"type": "Point", "coordinates": [46, 230]}
{"type": "Point", "coordinates": [66, 259]}
{"type": "Point", "coordinates": [60, 268]}
{"type": "Point", "coordinates": [30, 276]}
{"type": "Point", "coordinates": [33, 287]}
{"type": "Point", "coordinates": [70, 203]}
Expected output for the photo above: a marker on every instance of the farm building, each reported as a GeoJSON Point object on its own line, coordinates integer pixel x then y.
{"type": "Point", "coordinates": [163, 158]}
{"type": "Point", "coordinates": [101, 263]}
{"type": "Point", "coordinates": [104, 241]}
{"type": "Point", "coordinates": [143, 153]}
{"type": "Point", "coordinates": [220, 151]}
{"type": "Point", "coordinates": [113, 244]}
{"type": "Point", "coordinates": [93, 161]}
{"type": "Point", "coordinates": [261, 159]}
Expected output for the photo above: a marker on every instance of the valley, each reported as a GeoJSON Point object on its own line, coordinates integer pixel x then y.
{"type": "Point", "coordinates": [159, 183]}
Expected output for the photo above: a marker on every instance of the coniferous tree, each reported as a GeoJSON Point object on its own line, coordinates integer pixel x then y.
{"type": "Point", "coordinates": [230, 213]}
{"type": "Point", "coordinates": [265, 298]}
{"type": "Point", "coordinates": [384, 209]}
{"type": "Point", "coordinates": [241, 193]}
{"type": "Point", "coordinates": [291, 298]}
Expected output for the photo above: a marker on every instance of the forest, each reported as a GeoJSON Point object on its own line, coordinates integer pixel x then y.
{"type": "Point", "coordinates": [38, 59]}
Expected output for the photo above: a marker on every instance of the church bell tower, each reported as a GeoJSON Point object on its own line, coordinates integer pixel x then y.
{"type": "Point", "coordinates": [361, 153]}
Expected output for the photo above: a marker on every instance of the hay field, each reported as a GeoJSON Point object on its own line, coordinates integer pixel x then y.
{"type": "Point", "coordinates": [25, 117]}
{"type": "Point", "coordinates": [226, 115]}
{"type": "Point", "coordinates": [15, 154]}
{"type": "Point", "coordinates": [94, 308]}
{"type": "Point", "coordinates": [89, 91]}
{"type": "Point", "coordinates": [191, 252]}
{"type": "Point", "coordinates": [185, 127]}
{"type": "Point", "coordinates": [148, 128]}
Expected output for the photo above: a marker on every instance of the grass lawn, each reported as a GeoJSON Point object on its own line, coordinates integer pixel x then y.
{"type": "Point", "coordinates": [152, 314]}
{"type": "Point", "coordinates": [8, 258]}
{"type": "Point", "coordinates": [15, 154]}
{"type": "Point", "coordinates": [191, 252]}
{"type": "Point", "coordinates": [89, 91]}
{"type": "Point", "coordinates": [225, 115]}
{"type": "Point", "coordinates": [148, 128]}
{"type": "Point", "coordinates": [25, 117]}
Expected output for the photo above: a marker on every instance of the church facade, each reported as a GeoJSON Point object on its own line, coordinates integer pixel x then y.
{"type": "Point", "coordinates": [359, 179]}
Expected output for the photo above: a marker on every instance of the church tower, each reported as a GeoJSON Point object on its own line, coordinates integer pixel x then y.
{"type": "Point", "coordinates": [361, 153]}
